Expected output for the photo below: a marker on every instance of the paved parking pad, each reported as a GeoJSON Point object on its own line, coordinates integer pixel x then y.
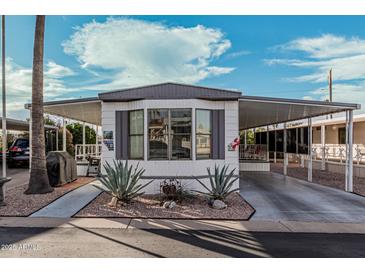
{"type": "Point", "coordinates": [281, 198]}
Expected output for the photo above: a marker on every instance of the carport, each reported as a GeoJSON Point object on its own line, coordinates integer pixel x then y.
{"type": "Point", "coordinates": [20, 176]}
{"type": "Point", "coordinates": [84, 110]}
{"type": "Point", "coordinates": [265, 112]}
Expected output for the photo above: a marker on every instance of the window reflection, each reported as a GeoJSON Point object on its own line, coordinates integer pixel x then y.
{"type": "Point", "coordinates": [136, 134]}
{"type": "Point", "coordinates": [169, 133]}
{"type": "Point", "coordinates": [203, 134]}
{"type": "Point", "coordinates": [158, 133]}
{"type": "Point", "coordinates": [181, 134]}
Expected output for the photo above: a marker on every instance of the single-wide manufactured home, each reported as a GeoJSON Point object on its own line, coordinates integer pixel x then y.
{"type": "Point", "coordinates": [177, 130]}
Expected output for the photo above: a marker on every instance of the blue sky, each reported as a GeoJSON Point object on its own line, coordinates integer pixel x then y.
{"type": "Point", "coordinates": [278, 56]}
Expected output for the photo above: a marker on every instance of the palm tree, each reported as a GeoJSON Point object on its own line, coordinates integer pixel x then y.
{"type": "Point", "coordinates": [38, 181]}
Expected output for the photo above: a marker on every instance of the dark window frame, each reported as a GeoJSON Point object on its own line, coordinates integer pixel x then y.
{"type": "Point", "coordinates": [139, 134]}
{"type": "Point", "coordinates": [201, 134]}
{"type": "Point", "coordinates": [169, 135]}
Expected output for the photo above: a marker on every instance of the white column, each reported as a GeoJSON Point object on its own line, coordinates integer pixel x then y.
{"type": "Point", "coordinates": [267, 144]}
{"type": "Point", "coordinates": [193, 136]}
{"type": "Point", "coordinates": [83, 141]}
{"type": "Point", "coordinates": [64, 135]}
{"type": "Point", "coordinates": [30, 139]}
{"type": "Point", "coordinates": [96, 141]}
{"type": "Point", "coordinates": [4, 131]}
{"type": "Point", "coordinates": [285, 154]}
{"type": "Point", "coordinates": [310, 158]}
{"type": "Point", "coordinates": [275, 146]}
{"type": "Point", "coordinates": [301, 143]}
{"type": "Point", "coordinates": [323, 147]}
{"type": "Point", "coordinates": [349, 151]}
{"type": "Point", "coordinates": [145, 130]}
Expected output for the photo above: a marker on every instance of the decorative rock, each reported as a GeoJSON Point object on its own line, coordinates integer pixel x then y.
{"type": "Point", "coordinates": [218, 204]}
{"type": "Point", "coordinates": [166, 204]}
{"type": "Point", "coordinates": [172, 204]}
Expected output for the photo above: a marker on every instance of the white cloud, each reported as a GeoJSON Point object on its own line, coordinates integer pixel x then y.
{"type": "Point", "coordinates": [346, 57]}
{"type": "Point", "coordinates": [343, 92]}
{"type": "Point", "coordinates": [134, 52]}
{"type": "Point", "coordinates": [54, 70]}
{"type": "Point", "coordinates": [238, 54]}
{"type": "Point", "coordinates": [327, 46]}
{"type": "Point", "coordinates": [19, 85]}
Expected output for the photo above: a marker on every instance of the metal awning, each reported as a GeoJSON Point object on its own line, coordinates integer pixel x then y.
{"type": "Point", "coordinates": [262, 111]}
{"type": "Point", "coordinates": [86, 110]}
{"type": "Point", "coordinates": [20, 125]}
{"type": "Point", "coordinates": [253, 111]}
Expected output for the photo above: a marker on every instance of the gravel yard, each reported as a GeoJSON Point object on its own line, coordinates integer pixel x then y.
{"type": "Point", "coordinates": [19, 204]}
{"type": "Point", "coordinates": [148, 206]}
{"type": "Point", "coordinates": [331, 179]}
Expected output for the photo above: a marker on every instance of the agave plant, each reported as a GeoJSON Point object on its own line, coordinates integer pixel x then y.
{"type": "Point", "coordinates": [220, 183]}
{"type": "Point", "coordinates": [121, 181]}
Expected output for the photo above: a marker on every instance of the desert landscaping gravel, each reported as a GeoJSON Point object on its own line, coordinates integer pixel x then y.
{"type": "Point", "coordinates": [148, 206]}
{"type": "Point", "coordinates": [331, 179]}
{"type": "Point", "coordinates": [19, 204]}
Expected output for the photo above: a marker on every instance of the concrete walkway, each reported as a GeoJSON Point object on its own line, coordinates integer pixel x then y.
{"type": "Point", "coordinates": [279, 198]}
{"type": "Point", "coordinates": [69, 204]}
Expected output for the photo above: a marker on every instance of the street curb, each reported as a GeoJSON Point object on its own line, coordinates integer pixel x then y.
{"type": "Point", "coordinates": [168, 224]}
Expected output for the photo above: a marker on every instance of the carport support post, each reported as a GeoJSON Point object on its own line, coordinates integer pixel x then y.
{"type": "Point", "coordinates": [275, 146]}
{"type": "Point", "coordinates": [349, 156]}
{"type": "Point", "coordinates": [64, 135]}
{"type": "Point", "coordinates": [83, 141]}
{"type": "Point", "coordinates": [285, 154]}
{"type": "Point", "coordinates": [30, 140]}
{"type": "Point", "coordinates": [310, 158]}
{"type": "Point", "coordinates": [96, 140]}
{"type": "Point", "coordinates": [301, 143]}
{"type": "Point", "coordinates": [267, 144]}
{"type": "Point", "coordinates": [323, 146]}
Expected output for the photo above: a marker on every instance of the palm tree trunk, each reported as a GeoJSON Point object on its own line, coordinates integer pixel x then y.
{"type": "Point", "coordinates": [38, 181]}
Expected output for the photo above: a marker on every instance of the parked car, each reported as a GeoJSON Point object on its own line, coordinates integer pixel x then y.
{"type": "Point", "coordinates": [18, 153]}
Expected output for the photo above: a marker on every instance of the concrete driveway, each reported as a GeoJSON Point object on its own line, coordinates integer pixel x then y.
{"type": "Point", "coordinates": [19, 176]}
{"type": "Point", "coordinates": [276, 197]}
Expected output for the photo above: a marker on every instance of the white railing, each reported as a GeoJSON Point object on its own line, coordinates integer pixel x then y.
{"type": "Point", "coordinates": [253, 152]}
{"type": "Point", "coordinates": [83, 151]}
{"type": "Point", "coordinates": [336, 152]}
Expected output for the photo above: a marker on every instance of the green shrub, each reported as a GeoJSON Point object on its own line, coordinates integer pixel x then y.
{"type": "Point", "coordinates": [121, 181]}
{"type": "Point", "coordinates": [220, 183]}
